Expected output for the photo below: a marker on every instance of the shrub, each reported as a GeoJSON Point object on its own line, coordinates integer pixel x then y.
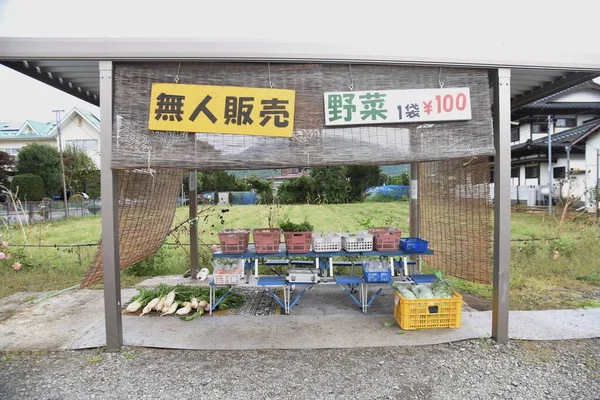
{"type": "Point", "coordinates": [289, 226]}
{"type": "Point", "coordinates": [77, 198]}
{"type": "Point", "coordinates": [28, 187]}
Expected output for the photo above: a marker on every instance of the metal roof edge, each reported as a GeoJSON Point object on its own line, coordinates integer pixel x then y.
{"type": "Point", "coordinates": [138, 49]}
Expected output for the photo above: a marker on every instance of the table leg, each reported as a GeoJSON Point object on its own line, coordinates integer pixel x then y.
{"type": "Point", "coordinates": [256, 268]}
{"type": "Point", "coordinates": [392, 265]}
{"type": "Point", "coordinates": [405, 262]}
{"type": "Point", "coordinates": [211, 295]}
{"type": "Point", "coordinates": [331, 266]}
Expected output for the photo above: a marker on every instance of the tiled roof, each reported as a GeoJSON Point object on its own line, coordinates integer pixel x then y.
{"type": "Point", "coordinates": [569, 136]}
{"type": "Point", "coordinates": [565, 104]}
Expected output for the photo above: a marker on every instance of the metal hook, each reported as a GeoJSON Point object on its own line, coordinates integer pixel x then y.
{"type": "Point", "coordinates": [351, 87]}
{"type": "Point", "coordinates": [177, 75]}
{"type": "Point", "coordinates": [271, 84]}
{"type": "Point", "coordinates": [440, 79]}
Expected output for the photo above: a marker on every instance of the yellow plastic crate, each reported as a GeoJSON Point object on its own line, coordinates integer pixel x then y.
{"type": "Point", "coordinates": [427, 313]}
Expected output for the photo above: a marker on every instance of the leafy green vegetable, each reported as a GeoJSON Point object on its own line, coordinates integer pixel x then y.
{"type": "Point", "coordinates": [441, 289]}
{"type": "Point", "coordinates": [289, 226]}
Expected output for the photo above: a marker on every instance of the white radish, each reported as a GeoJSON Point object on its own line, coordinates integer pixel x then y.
{"type": "Point", "coordinates": [133, 307]}
{"type": "Point", "coordinates": [207, 307]}
{"type": "Point", "coordinates": [150, 306]}
{"type": "Point", "coordinates": [187, 307]}
{"type": "Point", "coordinates": [165, 309]}
{"type": "Point", "coordinates": [202, 303]}
{"type": "Point", "coordinates": [170, 298]}
{"type": "Point", "coordinates": [171, 310]}
{"type": "Point", "coordinates": [194, 303]}
{"type": "Point", "coordinates": [161, 303]}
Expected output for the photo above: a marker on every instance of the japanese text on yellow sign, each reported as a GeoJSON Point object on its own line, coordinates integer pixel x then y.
{"type": "Point", "coordinates": [222, 109]}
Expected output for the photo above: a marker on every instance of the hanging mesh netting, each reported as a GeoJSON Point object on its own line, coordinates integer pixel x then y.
{"type": "Point", "coordinates": [455, 215]}
{"type": "Point", "coordinates": [147, 201]}
{"type": "Point", "coordinates": [454, 202]}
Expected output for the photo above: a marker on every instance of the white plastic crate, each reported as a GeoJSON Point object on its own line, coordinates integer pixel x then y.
{"type": "Point", "coordinates": [227, 279]}
{"type": "Point", "coordinates": [360, 241]}
{"type": "Point", "coordinates": [228, 272]}
{"type": "Point", "coordinates": [326, 242]}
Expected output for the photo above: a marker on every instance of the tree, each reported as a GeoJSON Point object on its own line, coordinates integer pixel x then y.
{"type": "Point", "coordinates": [28, 187]}
{"type": "Point", "coordinates": [261, 187]}
{"type": "Point", "coordinates": [296, 190]}
{"type": "Point", "coordinates": [221, 181]}
{"type": "Point", "coordinates": [7, 168]}
{"type": "Point", "coordinates": [41, 160]}
{"type": "Point", "coordinates": [402, 179]}
{"type": "Point", "coordinates": [361, 178]}
{"type": "Point", "coordinates": [331, 184]}
{"type": "Point", "coordinates": [79, 169]}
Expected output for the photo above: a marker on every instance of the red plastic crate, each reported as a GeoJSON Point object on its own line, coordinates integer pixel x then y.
{"type": "Point", "coordinates": [234, 241]}
{"type": "Point", "coordinates": [386, 238]}
{"type": "Point", "coordinates": [266, 240]}
{"type": "Point", "coordinates": [297, 242]}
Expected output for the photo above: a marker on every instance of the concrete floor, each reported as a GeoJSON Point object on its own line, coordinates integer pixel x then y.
{"type": "Point", "coordinates": [324, 318]}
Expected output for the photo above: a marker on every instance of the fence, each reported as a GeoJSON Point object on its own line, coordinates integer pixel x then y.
{"type": "Point", "coordinates": [44, 211]}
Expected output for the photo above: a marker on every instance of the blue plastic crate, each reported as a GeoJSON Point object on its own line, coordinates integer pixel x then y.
{"type": "Point", "coordinates": [377, 276]}
{"type": "Point", "coordinates": [413, 244]}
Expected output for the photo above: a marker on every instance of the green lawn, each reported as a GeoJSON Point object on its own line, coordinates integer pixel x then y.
{"type": "Point", "coordinates": [544, 274]}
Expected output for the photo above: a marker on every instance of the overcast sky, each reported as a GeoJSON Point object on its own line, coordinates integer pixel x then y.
{"type": "Point", "coordinates": [559, 31]}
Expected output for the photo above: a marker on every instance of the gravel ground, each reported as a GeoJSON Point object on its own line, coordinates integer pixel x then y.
{"type": "Point", "coordinates": [467, 370]}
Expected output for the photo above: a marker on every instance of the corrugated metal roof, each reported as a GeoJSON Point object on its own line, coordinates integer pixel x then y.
{"type": "Point", "coordinates": [41, 128]}
{"type": "Point", "coordinates": [71, 64]}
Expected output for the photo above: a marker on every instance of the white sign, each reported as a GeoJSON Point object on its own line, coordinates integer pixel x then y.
{"type": "Point", "coordinates": [397, 106]}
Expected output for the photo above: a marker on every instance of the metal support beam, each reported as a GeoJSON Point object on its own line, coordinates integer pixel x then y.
{"type": "Point", "coordinates": [414, 205]}
{"type": "Point", "coordinates": [501, 205]}
{"type": "Point", "coordinates": [110, 222]}
{"type": "Point", "coordinates": [193, 196]}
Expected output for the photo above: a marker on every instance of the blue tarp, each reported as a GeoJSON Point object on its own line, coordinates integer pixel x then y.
{"type": "Point", "coordinates": [395, 191]}
{"type": "Point", "coordinates": [243, 198]}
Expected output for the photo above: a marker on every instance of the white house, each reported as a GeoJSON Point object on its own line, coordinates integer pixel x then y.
{"type": "Point", "coordinates": [79, 128]}
{"type": "Point", "coordinates": [575, 139]}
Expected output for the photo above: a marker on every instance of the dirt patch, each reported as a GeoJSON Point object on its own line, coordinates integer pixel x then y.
{"type": "Point", "coordinates": [476, 302]}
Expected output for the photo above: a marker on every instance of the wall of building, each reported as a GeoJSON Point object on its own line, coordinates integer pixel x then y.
{"type": "Point", "coordinates": [80, 133]}
{"type": "Point", "coordinates": [591, 161]}
{"type": "Point", "coordinates": [13, 146]}
{"type": "Point", "coordinates": [582, 95]}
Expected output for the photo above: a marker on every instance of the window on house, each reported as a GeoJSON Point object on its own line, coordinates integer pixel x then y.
{"type": "Point", "coordinates": [11, 151]}
{"type": "Point", "coordinates": [514, 172]}
{"type": "Point", "coordinates": [539, 127]}
{"type": "Point", "coordinates": [532, 172]}
{"type": "Point", "coordinates": [514, 134]}
{"type": "Point", "coordinates": [565, 122]}
{"type": "Point", "coordinates": [559, 172]}
{"type": "Point", "coordinates": [86, 145]}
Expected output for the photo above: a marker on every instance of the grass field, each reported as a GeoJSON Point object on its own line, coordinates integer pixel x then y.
{"type": "Point", "coordinates": [545, 274]}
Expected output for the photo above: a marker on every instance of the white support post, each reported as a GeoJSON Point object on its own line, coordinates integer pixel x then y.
{"type": "Point", "coordinates": [110, 215]}
{"type": "Point", "coordinates": [500, 293]}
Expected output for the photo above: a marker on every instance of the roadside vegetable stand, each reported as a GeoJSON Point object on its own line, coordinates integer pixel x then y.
{"type": "Point", "coordinates": [144, 163]}
{"type": "Point", "coordinates": [398, 268]}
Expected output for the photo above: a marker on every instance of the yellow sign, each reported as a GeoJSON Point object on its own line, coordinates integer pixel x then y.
{"type": "Point", "coordinates": [222, 109]}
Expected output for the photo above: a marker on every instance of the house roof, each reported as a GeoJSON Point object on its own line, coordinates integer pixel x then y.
{"type": "Point", "coordinates": [572, 137]}
{"type": "Point", "coordinates": [566, 104]}
{"type": "Point", "coordinates": [45, 131]}
{"type": "Point", "coordinates": [40, 128]}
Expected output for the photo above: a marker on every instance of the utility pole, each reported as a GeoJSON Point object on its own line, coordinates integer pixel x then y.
{"type": "Point", "coordinates": [597, 183]}
{"type": "Point", "coordinates": [62, 163]}
{"type": "Point", "coordinates": [550, 131]}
